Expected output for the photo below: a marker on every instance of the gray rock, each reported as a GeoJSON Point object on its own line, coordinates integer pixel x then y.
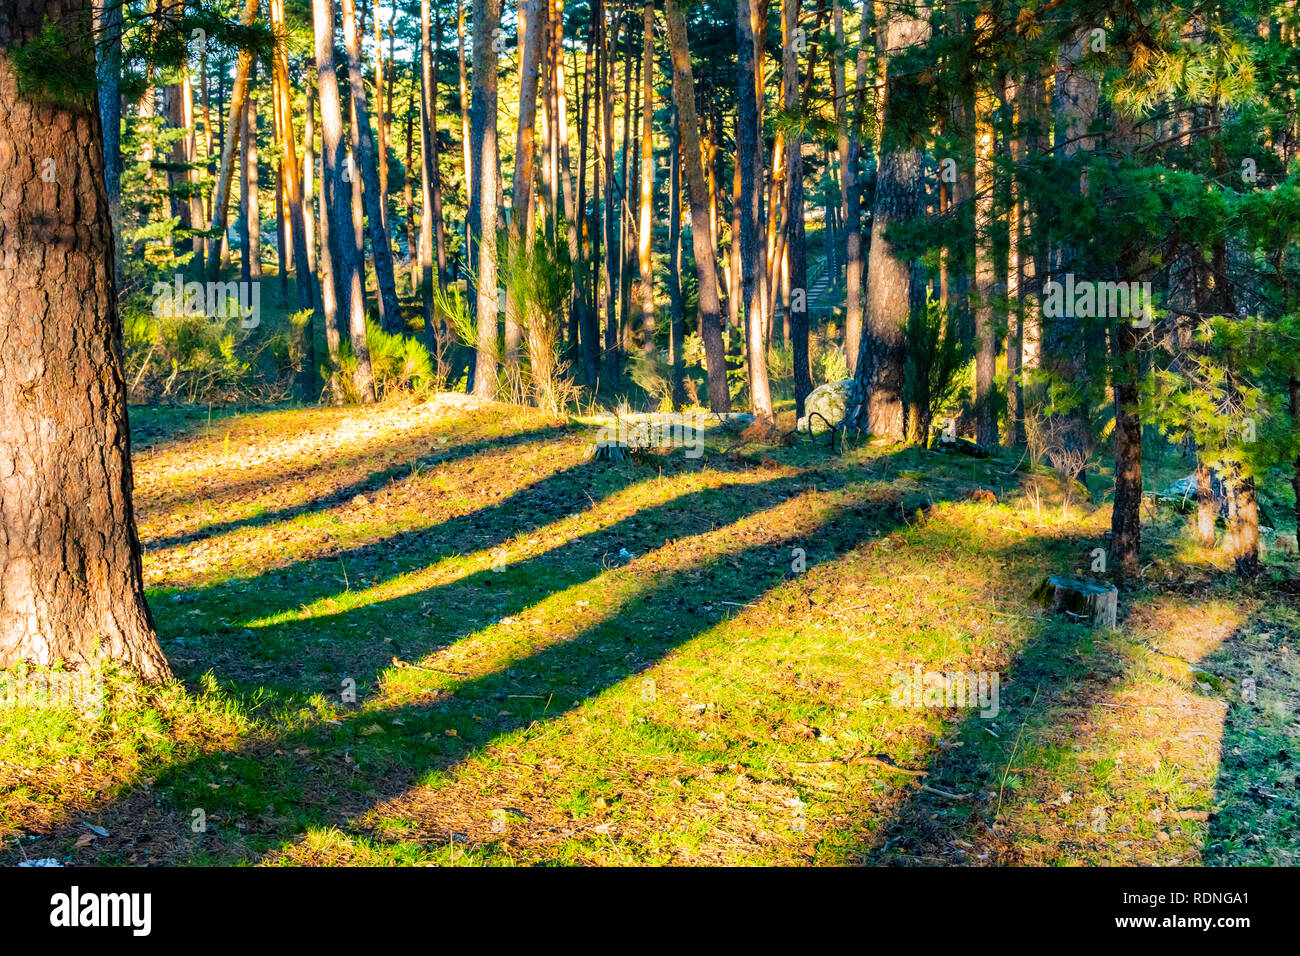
{"type": "Point", "coordinates": [825, 406]}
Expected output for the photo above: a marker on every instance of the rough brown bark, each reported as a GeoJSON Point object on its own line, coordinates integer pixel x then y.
{"type": "Point", "coordinates": [1126, 516]}
{"type": "Point", "coordinates": [795, 248]}
{"type": "Point", "coordinates": [747, 134]}
{"type": "Point", "coordinates": [876, 403]}
{"type": "Point", "coordinates": [710, 308]}
{"type": "Point", "coordinates": [71, 586]}
{"type": "Point", "coordinates": [289, 169]}
{"type": "Point", "coordinates": [483, 195]}
{"type": "Point", "coordinates": [338, 228]}
{"type": "Point", "coordinates": [364, 157]}
{"type": "Point", "coordinates": [645, 292]}
{"type": "Point", "coordinates": [250, 216]}
{"type": "Point", "coordinates": [225, 172]}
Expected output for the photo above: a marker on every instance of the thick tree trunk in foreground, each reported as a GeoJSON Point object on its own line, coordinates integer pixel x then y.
{"type": "Point", "coordinates": [71, 586]}
{"type": "Point", "coordinates": [706, 266]}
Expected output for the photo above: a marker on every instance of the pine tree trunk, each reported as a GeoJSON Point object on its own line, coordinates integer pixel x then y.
{"type": "Point", "coordinates": [234, 128]}
{"type": "Point", "coordinates": [483, 195]}
{"type": "Point", "coordinates": [705, 264]}
{"type": "Point", "coordinates": [339, 239]}
{"type": "Point", "coordinates": [876, 402]}
{"type": "Point", "coordinates": [250, 226]}
{"type": "Point", "coordinates": [747, 134]}
{"type": "Point", "coordinates": [531, 27]}
{"type": "Point", "coordinates": [71, 586]}
{"type": "Point", "coordinates": [428, 171]}
{"type": "Point", "coordinates": [364, 157]}
{"type": "Point", "coordinates": [292, 181]}
{"type": "Point", "coordinates": [986, 224]}
{"type": "Point", "coordinates": [108, 27]}
{"type": "Point", "coordinates": [676, 354]}
{"type": "Point", "coordinates": [646, 285]}
{"type": "Point", "coordinates": [795, 247]}
{"type": "Point", "coordinates": [1126, 515]}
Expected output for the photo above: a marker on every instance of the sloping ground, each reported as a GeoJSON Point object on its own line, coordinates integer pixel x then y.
{"type": "Point", "coordinates": [437, 634]}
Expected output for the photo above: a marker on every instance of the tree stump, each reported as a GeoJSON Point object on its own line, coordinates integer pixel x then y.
{"type": "Point", "coordinates": [1083, 599]}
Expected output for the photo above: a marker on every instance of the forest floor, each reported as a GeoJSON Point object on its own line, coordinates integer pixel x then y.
{"type": "Point", "coordinates": [663, 660]}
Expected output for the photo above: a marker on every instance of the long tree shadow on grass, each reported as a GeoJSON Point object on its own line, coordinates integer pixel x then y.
{"type": "Point", "coordinates": [373, 481]}
{"type": "Point", "coordinates": [258, 798]}
{"type": "Point", "coordinates": [1054, 693]}
{"type": "Point", "coordinates": [1256, 820]}
{"type": "Point", "coordinates": [226, 628]}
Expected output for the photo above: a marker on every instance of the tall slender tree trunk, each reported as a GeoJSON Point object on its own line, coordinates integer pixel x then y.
{"type": "Point", "coordinates": [747, 136]}
{"type": "Point", "coordinates": [71, 587]}
{"type": "Point", "coordinates": [464, 121]}
{"type": "Point", "coordinates": [677, 316]}
{"type": "Point", "coordinates": [338, 228]}
{"type": "Point", "coordinates": [108, 27]}
{"type": "Point", "coordinates": [364, 152]}
{"type": "Point", "coordinates": [483, 195]}
{"type": "Point", "coordinates": [646, 286]}
{"type": "Point", "coordinates": [290, 171]}
{"type": "Point", "coordinates": [589, 326]}
{"type": "Point", "coordinates": [706, 266]}
{"type": "Point", "coordinates": [428, 170]}
{"type": "Point", "coordinates": [532, 29]}
{"type": "Point", "coordinates": [225, 173]}
{"type": "Point", "coordinates": [609, 49]}
{"type": "Point", "coordinates": [250, 226]}
{"type": "Point", "coordinates": [986, 224]}
{"type": "Point", "coordinates": [794, 202]}
{"type": "Point", "coordinates": [309, 179]}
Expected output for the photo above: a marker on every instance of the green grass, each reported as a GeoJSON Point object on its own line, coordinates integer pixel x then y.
{"type": "Point", "coordinates": [526, 693]}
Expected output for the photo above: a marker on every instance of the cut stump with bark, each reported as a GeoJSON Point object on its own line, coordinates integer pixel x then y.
{"type": "Point", "coordinates": [1082, 599]}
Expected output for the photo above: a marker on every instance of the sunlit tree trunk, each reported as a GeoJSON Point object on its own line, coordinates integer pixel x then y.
{"type": "Point", "coordinates": [876, 404]}
{"type": "Point", "coordinates": [483, 195]}
{"type": "Point", "coordinates": [705, 264]}
{"type": "Point", "coordinates": [794, 202]}
{"type": "Point", "coordinates": [363, 153]}
{"type": "Point", "coordinates": [250, 222]}
{"type": "Point", "coordinates": [747, 135]}
{"type": "Point", "coordinates": [646, 285]}
{"type": "Point", "coordinates": [225, 173]}
{"type": "Point", "coordinates": [339, 239]}
{"type": "Point", "coordinates": [71, 587]}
